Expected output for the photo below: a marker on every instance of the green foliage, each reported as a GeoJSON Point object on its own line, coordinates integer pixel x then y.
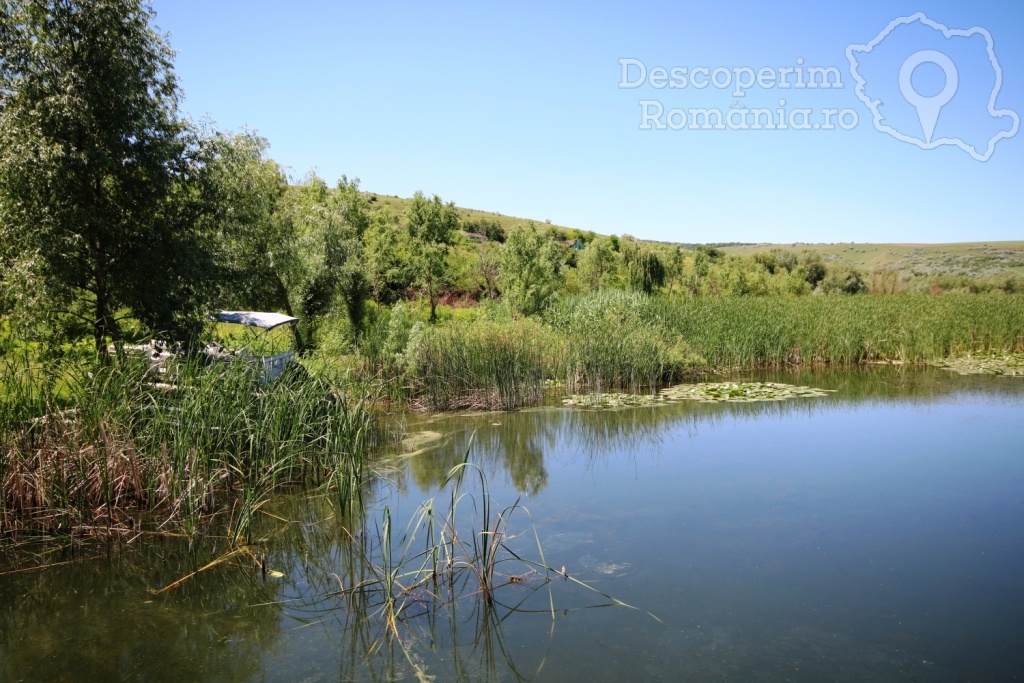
{"type": "Point", "coordinates": [812, 267]}
{"type": "Point", "coordinates": [431, 226]}
{"type": "Point", "coordinates": [302, 250]}
{"type": "Point", "coordinates": [90, 445]}
{"type": "Point", "coordinates": [598, 264]}
{"type": "Point", "coordinates": [843, 280]}
{"type": "Point", "coordinates": [387, 258]}
{"type": "Point", "coordinates": [530, 270]}
{"type": "Point", "coordinates": [384, 347]}
{"type": "Point", "coordinates": [488, 227]}
{"type": "Point", "coordinates": [644, 270]}
{"type": "Point", "coordinates": [100, 181]}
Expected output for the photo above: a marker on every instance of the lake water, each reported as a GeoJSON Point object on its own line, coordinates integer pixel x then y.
{"type": "Point", "coordinates": [873, 534]}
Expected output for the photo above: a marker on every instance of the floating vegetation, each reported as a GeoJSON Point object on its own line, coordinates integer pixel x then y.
{"type": "Point", "coordinates": [1011, 364]}
{"type": "Point", "coordinates": [708, 392]}
{"type": "Point", "coordinates": [612, 400]}
{"type": "Point", "coordinates": [740, 392]}
{"type": "Point", "coordinates": [415, 443]}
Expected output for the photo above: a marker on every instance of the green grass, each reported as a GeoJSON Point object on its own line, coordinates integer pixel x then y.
{"type": "Point", "coordinates": [397, 205]}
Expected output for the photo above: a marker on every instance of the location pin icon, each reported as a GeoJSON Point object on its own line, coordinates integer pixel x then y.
{"type": "Point", "coordinates": [928, 108]}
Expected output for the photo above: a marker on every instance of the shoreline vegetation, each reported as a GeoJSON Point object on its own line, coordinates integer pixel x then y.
{"type": "Point", "coordinates": [635, 343]}
{"type": "Point", "coordinates": [192, 220]}
{"type": "Point", "coordinates": [92, 448]}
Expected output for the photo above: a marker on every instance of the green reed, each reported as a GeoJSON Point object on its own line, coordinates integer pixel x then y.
{"type": "Point", "coordinates": [484, 365]}
{"type": "Point", "coordinates": [732, 332]}
{"type": "Point", "coordinates": [112, 447]}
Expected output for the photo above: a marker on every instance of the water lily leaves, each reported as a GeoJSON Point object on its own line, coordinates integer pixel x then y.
{"type": "Point", "coordinates": [707, 392]}
{"type": "Point", "coordinates": [1010, 364]}
{"type": "Point", "coordinates": [610, 400]}
{"type": "Point", "coordinates": [738, 392]}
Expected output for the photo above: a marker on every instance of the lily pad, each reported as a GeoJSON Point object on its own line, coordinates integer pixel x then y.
{"type": "Point", "coordinates": [708, 392]}
{"type": "Point", "coordinates": [1009, 364]}
{"type": "Point", "coordinates": [740, 392]}
{"type": "Point", "coordinates": [611, 400]}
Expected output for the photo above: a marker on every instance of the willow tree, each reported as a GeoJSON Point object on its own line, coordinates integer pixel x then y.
{"type": "Point", "coordinates": [531, 270]}
{"type": "Point", "coordinates": [99, 212]}
{"type": "Point", "coordinates": [432, 227]}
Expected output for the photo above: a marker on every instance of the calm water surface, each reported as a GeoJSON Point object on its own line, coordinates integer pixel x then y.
{"type": "Point", "coordinates": [875, 534]}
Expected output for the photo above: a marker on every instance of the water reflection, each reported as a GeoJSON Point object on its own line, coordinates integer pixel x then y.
{"type": "Point", "coordinates": [873, 533]}
{"type": "Point", "coordinates": [513, 444]}
{"type": "Point", "coordinates": [95, 619]}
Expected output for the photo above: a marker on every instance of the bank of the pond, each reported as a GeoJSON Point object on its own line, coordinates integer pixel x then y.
{"type": "Point", "coordinates": [86, 447]}
{"type": "Point", "coordinates": [628, 342]}
{"type": "Point", "coordinates": [100, 448]}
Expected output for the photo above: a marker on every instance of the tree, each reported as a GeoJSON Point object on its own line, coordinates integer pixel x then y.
{"type": "Point", "coordinates": [317, 260]}
{"type": "Point", "coordinates": [385, 257]}
{"type": "Point", "coordinates": [488, 253]}
{"type": "Point", "coordinates": [431, 224]}
{"type": "Point", "coordinates": [597, 263]}
{"type": "Point", "coordinates": [531, 268]}
{"type": "Point", "coordinates": [251, 239]}
{"type": "Point", "coordinates": [488, 227]}
{"type": "Point", "coordinates": [296, 249]}
{"type": "Point", "coordinates": [99, 201]}
{"type": "Point", "coordinates": [843, 280]}
{"type": "Point", "coordinates": [644, 269]}
{"type": "Point", "coordinates": [812, 267]}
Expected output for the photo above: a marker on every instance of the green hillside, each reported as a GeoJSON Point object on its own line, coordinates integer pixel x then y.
{"type": "Point", "coordinates": [973, 259]}
{"type": "Point", "coordinates": [976, 259]}
{"type": "Point", "coordinates": [397, 206]}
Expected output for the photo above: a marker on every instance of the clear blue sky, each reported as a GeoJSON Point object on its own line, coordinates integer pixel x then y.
{"type": "Point", "coordinates": [517, 108]}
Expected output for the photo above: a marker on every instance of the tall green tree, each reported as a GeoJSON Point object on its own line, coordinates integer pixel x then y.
{"type": "Point", "coordinates": [531, 269]}
{"type": "Point", "coordinates": [598, 263]}
{"type": "Point", "coordinates": [386, 258]}
{"type": "Point", "coordinates": [644, 270]}
{"type": "Point", "coordinates": [99, 204]}
{"type": "Point", "coordinates": [432, 227]}
{"type": "Point", "coordinates": [253, 243]}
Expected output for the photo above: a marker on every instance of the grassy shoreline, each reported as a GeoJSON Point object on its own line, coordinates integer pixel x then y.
{"type": "Point", "coordinates": [616, 341]}
{"type": "Point", "coordinates": [87, 448]}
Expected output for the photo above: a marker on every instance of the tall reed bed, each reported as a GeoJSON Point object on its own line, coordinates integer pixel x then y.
{"type": "Point", "coordinates": [483, 365]}
{"type": "Point", "coordinates": [109, 447]}
{"type": "Point", "coordinates": [842, 330]}
{"type": "Point", "coordinates": [613, 345]}
{"type": "Point", "coordinates": [623, 341]}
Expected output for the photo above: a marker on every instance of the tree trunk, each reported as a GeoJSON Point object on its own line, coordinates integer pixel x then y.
{"type": "Point", "coordinates": [282, 293]}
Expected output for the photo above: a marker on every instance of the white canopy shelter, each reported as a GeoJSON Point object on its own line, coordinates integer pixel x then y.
{"type": "Point", "coordinates": [267, 321]}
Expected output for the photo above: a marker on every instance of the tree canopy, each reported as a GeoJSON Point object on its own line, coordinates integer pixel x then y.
{"type": "Point", "coordinates": [99, 176]}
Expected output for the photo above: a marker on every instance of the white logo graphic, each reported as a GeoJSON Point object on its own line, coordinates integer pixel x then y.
{"type": "Point", "coordinates": [895, 78]}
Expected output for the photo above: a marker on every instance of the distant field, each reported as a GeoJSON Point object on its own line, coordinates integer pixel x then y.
{"type": "Point", "coordinates": [978, 259]}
